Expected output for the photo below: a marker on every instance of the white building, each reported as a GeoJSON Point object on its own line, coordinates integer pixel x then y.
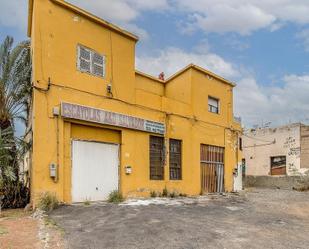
{"type": "Point", "coordinates": [277, 151]}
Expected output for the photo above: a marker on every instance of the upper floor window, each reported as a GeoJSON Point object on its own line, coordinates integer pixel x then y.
{"type": "Point", "coordinates": [213, 105]}
{"type": "Point", "coordinates": [90, 61]}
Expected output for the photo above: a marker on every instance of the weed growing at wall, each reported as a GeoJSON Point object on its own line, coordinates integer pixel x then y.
{"type": "Point", "coordinates": [165, 192]}
{"type": "Point", "coordinates": [48, 201]}
{"type": "Point", "coordinates": [115, 197]}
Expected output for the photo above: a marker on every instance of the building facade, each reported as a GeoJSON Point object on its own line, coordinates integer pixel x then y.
{"type": "Point", "coordinates": [99, 125]}
{"type": "Point", "coordinates": [277, 151]}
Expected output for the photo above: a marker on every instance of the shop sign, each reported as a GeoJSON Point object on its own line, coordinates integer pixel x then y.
{"type": "Point", "coordinates": [100, 116]}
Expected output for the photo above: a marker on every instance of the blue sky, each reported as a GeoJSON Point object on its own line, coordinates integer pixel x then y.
{"type": "Point", "coordinates": [262, 45]}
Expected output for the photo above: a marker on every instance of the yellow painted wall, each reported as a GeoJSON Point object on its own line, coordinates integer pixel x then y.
{"type": "Point", "coordinates": [202, 87]}
{"type": "Point", "coordinates": [56, 34]}
{"type": "Point", "coordinates": [86, 133]}
{"type": "Point", "coordinates": [181, 103]}
{"type": "Point", "coordinates": [180, 88]}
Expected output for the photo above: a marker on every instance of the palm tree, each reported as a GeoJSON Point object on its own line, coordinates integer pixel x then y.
{"type": "Point", "coordinates": [15, 82]}
{"type": "Point", "coordinates": [7, 143]}
{"type": "Point", "coordinates": [15, 102]}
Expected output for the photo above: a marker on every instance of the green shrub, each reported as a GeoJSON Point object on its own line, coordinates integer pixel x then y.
{"type": "Point", "coordinates": [165, 192]}
{"type": "Point", "coordinates": [15, 195]}
{"type": "Point", "coordinates": [301, 188]}
{"type": "Point", "coordinates": [153, 194]}
{"type": "Point", "coordinates": [48, 201]}
{"type": "Point", "coordinates": [115, 197]}
{"type": "Point", "coordinates": [173, 195]}
{"type": "Point", "coordinates": [87, 202]}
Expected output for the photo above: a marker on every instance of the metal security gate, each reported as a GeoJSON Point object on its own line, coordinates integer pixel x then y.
{"type": "Point", "coordinates": [212, 169]}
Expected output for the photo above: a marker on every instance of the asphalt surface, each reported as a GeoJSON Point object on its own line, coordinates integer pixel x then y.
{"type": "Point", "coordinates": [258, 218]}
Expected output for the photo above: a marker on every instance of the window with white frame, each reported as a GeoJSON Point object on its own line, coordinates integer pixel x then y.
{"type": "Point", "coordinates": [213, 105]}
{"type": "Point", "coordinates": [90, 61]}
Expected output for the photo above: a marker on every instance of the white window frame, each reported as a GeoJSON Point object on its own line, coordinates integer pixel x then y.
{"type": "Point", "coordinates": [92, 52]}
{"type": "Point", "coordinates": [218, 104]}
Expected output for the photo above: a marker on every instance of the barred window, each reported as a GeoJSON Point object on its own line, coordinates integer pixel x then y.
{"type": "Point", "coordinates": [175, 159]}
{"type": "Point", "coordinates": [156, 149]}
{"type": "Point", "coordinates": [90, 61]}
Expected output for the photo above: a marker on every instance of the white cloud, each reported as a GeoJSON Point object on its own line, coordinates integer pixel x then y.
{"type": "Point", "coordinates": [173, 59]}
{"type": "Point", "coordinates": [123, 12]}
{"type": "Point", "coordinates": [142, 34]}
{"type": "Point", "coordinates": [243, 20]}
{"type": "Point", "coordinates": [13, 13]}
{"type": "Point", "coordinates": [242, 16]}
{"type": "Point", "coordinates": [279, 104]}
{"type": "Point", "coordinates": [304, 36]}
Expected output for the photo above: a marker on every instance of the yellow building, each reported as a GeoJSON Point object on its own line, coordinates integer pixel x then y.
{"type": "Point", "coordinates": [99, 125]}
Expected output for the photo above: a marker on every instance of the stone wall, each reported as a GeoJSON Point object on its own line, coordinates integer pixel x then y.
{"type": "Point", "coordinates": [304, 147]}
{"type": "Point", "coordinates": [283, 182]}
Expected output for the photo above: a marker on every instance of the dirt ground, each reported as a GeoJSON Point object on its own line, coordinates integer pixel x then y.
{"type": "Point", "coordinates": [258, 218]}
{"type": "Point", "coordinates": [21, 230]}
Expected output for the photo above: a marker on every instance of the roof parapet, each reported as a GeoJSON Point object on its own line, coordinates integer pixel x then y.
{"type": "Point", "coordinates": [85, 14]}
{"type": "Point", "coordinates": [202, 70]}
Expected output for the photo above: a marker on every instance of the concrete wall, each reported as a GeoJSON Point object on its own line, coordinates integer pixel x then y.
{"type": "Point", "coordinates": [283, 182]}
{"type": "Point", "coordinates": [304, 147]}
{"type": "Point", "coordinates": [261, 144]}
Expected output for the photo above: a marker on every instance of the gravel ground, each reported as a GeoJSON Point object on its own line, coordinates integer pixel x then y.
{"type": "Point", "coordinates": [257, 218]}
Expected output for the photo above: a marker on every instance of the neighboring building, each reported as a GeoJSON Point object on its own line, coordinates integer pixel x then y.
{"type": "Point", "coordinates": [277, 151]}
{"type": "Point", "coordinates": [99, 125]}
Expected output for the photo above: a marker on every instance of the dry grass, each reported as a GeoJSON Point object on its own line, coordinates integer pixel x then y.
{"type": "Point", "coordinates": [14, 213]}
{"type": "Point", "coordinates": [48, 201]}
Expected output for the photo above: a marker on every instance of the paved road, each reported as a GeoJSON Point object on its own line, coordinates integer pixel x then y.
{"type": "Point", "coordinates": [259, 218]}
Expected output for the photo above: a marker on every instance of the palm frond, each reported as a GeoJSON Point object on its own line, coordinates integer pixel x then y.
{"type": "Point", "coordinates": [15, 80]}
{"type": "Point", "coordinates": [15, 100]}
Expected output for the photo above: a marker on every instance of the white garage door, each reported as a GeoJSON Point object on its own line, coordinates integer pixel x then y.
{"type": "Point", "coordinates": [94, 170]}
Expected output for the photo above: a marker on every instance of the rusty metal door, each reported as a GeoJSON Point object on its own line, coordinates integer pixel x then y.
{"type": "Point", "coordinates": [212, 169]}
